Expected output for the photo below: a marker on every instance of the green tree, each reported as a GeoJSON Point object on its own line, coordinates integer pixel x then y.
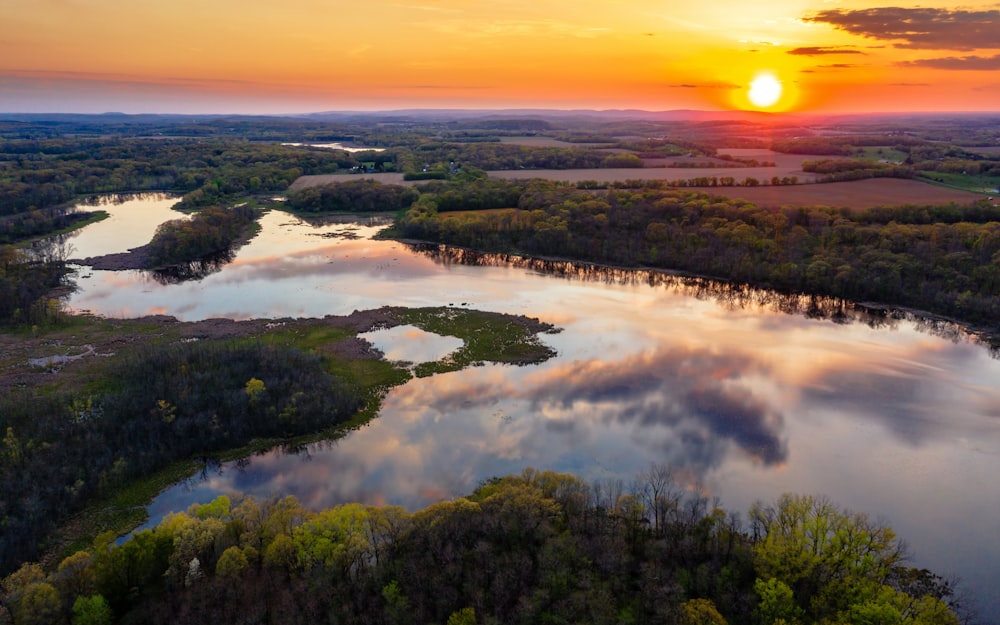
{"type": "Point", "coordinates": [777, 604]}
{"type": "Point", "coordinates": [39, 604]}
{"type": "Point", "coordinates": [92, 610]}
{"type": "Point", "coordinates": [831, 559]}
{"type": "Point", "coordinates": [465, 616]}
{"type": "Point", "coordinates": [231, 563]}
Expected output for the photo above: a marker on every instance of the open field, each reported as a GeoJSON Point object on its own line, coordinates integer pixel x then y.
{"type": "Point", "coordinates": [976, 183]}
{"type": "Point", "coordinates": [577, 175]}
{"type": "Point", "coordinates": [781, 160]}
{"type": "Point", "coordinates": [856, 194]}
{"type": "Point", "coordinates": [859, 194]}
{"type": "Point", "coordinates": [304, 182]}
{"type": "Point", "coordinates": [786, 165]}
{"type": "Point", "coordinates": [548, 142]}
{"type": "Point", "coordinates": [655, 173]}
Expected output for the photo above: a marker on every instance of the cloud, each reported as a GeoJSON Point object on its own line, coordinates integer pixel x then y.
{"type": "Point", "coordinates": [691, 405]}
{"type": "Point", "coordinates": [973, 63]}
{"type": "Point", "coordinates": [705, 85]}
{"type": "Point", "coordinates": [918, 28]}
{"type": "Point", "coordinates": [909, 84]}
{"type": "Point", "coordinates": [818, 51]}
{"type": "Point", "coordinates": [838, 66]}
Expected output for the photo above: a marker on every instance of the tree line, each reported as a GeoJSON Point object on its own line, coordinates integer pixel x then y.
{"type": "Point", "coordinates": [939, 259]}
{"type": "Point", "coordinates": [539, 547]}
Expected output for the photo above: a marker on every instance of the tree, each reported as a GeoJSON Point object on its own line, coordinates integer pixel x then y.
{"type": "Point", "coordinates": [93, 610]}
{"type": "Point", "coordinates": [39, 604]}
{"type": "Point", "coordinates": [231, 563]}
{"type": "Point", "coordinates": [832, 560]}
{"type": "Point", "coordinates": [700, 612]}
{"type": "Point", "coordinates": [465, 616]}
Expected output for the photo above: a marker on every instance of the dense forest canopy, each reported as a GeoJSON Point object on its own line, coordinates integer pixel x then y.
{"type": "Point", "coordinates": [540, 547]}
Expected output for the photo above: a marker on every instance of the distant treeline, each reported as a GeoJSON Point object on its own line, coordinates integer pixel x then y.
{"type": "Point", "coordinates": [539, 547]}
{"type": "Point", "coordinates": [150, 407]}
{"type": "Point", "coordinates": [38, 174]}
{"type": "Point", "coordinates": [939, 259]}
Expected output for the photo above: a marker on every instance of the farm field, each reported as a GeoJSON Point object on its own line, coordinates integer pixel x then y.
{"type": "Point", "coordinates": [655, 173]}
{"type": "Point", "coordinates": [304, 182]}
{"type": "Point", "coordinates": [856, 194]}
{"type": "Point", "coordinates": [786, 165]}
{"type": "Point", "coordinates": [548, 142]}
{"type": "Point", "coordinates": [781, 160]}
{"type": "Point", "coordinates": [578, 175]}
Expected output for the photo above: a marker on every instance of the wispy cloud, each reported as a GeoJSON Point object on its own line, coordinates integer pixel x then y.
{"type": "Point", "coordinates": [706, 85]}
{"type": "Point", "coordinates": [918, 28]}
{"type": "Point", "coordinates": [971, 63]}
{"type": "Point", "coordinates": [819, 50]}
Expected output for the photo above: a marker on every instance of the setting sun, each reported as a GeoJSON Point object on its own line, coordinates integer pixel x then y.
{"type": "Point", "coordinates": [765, 91]}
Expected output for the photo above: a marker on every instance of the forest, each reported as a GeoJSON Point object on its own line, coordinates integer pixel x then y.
{"type": "Point", "coordinates": [539, 547]}
{"type": "Point", "coordinates": [151, 406]}
{"type": "Point", "coordinates": [944, 260]}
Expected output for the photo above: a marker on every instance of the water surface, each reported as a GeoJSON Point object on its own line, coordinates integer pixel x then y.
{"type": "Point", "coordinates": [747, 394]}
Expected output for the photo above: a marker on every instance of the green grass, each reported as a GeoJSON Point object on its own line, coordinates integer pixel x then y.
{"type": "Point", "coordinates": [487, 337]}
{"type": "Point", "coordinates": [965, 182]}
{"type": "Point", "coordinates": [881, 153]}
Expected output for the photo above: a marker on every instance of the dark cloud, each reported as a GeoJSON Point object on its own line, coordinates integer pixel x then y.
{"type": "Point", "coordinates": [818, 51]}
{"type": "Point", "coordinates": [695, 396]}
{"type": "Point", "coordinates": [973, 63]}
{"type": "Point", "coordinates": [838, 66]}
{"type": "Point", "coordinates": [918, 28]}
{"type": "Point", "coordinates": [902, 399]}
{"type": "Point", "coordinates": [909, 84]}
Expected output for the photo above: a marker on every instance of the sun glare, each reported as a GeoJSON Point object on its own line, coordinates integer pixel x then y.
{"type": "Point", "coordinates": [765, 90]}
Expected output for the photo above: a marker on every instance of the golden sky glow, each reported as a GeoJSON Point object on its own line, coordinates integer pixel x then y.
{"type": "Point", "coordinates": [310, 55]}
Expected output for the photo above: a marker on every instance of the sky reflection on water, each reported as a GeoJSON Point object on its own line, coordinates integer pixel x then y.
{"type": "Point", "coordinates": [750, 402]}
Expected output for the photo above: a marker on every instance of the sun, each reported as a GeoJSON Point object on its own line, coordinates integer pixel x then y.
{"type": "Point", "coordinates": [765, 90]}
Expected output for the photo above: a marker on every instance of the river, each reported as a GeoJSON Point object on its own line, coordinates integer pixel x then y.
{"type": "Point", "coordinates": [746, 394]}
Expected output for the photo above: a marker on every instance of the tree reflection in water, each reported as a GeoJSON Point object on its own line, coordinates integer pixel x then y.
{"type": "Point", "coordinates": [729, 295]}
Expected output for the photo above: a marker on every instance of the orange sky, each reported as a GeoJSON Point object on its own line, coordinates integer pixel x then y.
{"type": "Point", "coordinates": [257, 56]}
